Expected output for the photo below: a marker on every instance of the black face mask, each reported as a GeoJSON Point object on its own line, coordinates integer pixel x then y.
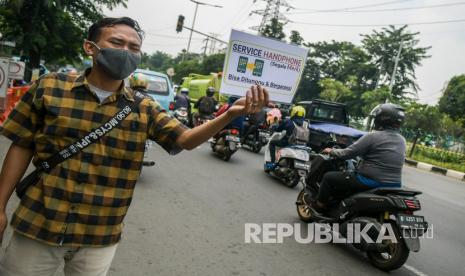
{"type": "Point", "coordinates": [118, 64]}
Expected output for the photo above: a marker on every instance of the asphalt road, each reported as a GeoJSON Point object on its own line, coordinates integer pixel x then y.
{"type": "Point", "coordinates": [189, 211]}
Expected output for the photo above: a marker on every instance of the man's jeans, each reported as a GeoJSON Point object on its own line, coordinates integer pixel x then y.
{"type": "Point", "coordinates": [273, 145]}
{"type": "Point", "coordinates": [28, 257]}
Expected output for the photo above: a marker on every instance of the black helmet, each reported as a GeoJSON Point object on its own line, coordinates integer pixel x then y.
{"type": "Point", "coordinates": [210, 91]}
{"type": "Point", "coordinates": [232, 99]}
{"type": "Point", "coordinates": [387, 115]}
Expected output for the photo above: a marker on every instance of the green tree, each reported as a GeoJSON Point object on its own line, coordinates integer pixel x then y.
{"type": "Point", "coordinates": [341, 61]}
{"type": "Point", "coordinates": [274, 30]}
{"type": "Point", "coordinates": [296, 38]}
{"type": "Point", "coordinates": [383, 47]}
{"type": "Point", "coordinates": [452, 101]}
{"type": "Point", "coordinates": [160, 61]}
{"type": "Point", "coordinates": [333, 90]}
{"type": "Point", "coordinates": [183, 69]}
{"type": "Point", "coordinates": [50, 29]}
{"type": "Point", "coordinates": [213, 63]}
{"type": "Point", "coordinates": [420, 119]}
{"type": "Point", "coordinates": [452, 127]}
{"type": "Point", "coordinates": [183, 56]}
{"type": "Point", "coordinates": [370, 99]}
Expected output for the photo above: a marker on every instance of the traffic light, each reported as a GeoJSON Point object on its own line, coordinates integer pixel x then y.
{"type": "Point", "coordinates": [180, 23]}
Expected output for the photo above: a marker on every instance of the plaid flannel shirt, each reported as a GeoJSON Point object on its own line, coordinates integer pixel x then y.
{"type": "Point", "coordinates": [82, 201]}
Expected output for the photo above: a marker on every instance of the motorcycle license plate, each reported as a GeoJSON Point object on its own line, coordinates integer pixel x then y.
{"type": "Point", "coordinates": [412, 222]}
{"type": "Point", "coordinates": [232, 138]}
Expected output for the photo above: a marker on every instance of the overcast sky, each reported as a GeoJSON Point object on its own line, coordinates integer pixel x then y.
{"type": "Point", "coordinates": [158, 19]}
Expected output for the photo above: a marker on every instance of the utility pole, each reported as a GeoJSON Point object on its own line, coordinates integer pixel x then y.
{"type": "Point", "coordinates": [212, 47]}
{"type": "Point", "coordinates": [197, 3]}
{"type": "Point", "coordinates": [394, 71]}
{"type": "Point", "coordinates": [272, 10]}
{"type": "Point", "coordinates": [205, 47]}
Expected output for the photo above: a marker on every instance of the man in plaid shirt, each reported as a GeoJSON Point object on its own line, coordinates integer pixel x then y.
{"type": "Point", "coordinates": [76, 210]}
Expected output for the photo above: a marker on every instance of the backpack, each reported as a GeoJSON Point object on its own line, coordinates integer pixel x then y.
{"type": "Point", "coordinates": [300, 134]}
{"type": "Point", "coordinates": [207, 105]}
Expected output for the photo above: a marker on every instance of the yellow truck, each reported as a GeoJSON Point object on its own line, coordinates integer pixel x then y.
{"type": "Point", "coordinates": [198, 84]}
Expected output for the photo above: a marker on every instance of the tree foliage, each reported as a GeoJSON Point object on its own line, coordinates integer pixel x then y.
{"type": "Point", "coordinates": [50, 29]}
{"type": "Point", "coordinates": [370, 99]}
{"type": "Point", "coordinates": [333, 90]}
{"type": "Point", "coordinates": [452, 101]}
{"type": "Point", "coordinates": [274, 30]}
{"type": "Point", "coordinates": [383, 47]}
{"type": "Point", "coordinates": [296, 38]}
{"type": "Point", "coordinates": [368, 68]}
{"type": "Point", "coordinates": [341, 61]}
{"type": "Point", "coordinates": [213, 63]}
{"type": "Point", "coordinates": [421, 119]}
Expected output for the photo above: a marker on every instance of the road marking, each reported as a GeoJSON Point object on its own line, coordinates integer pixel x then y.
{"type": "Point", "coordinates": [414, 270]}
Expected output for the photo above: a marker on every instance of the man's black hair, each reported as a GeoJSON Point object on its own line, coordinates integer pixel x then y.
{"type": "Point", "coordinates": [96, 29]}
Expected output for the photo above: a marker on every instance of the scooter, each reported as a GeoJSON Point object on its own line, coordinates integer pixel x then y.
{"type": "Point", "coordinates": [373, 209]}
{"type": "Point", "coordinates": [182, 115]}
{"type": "Point", "coordinates": [292, 162]}
{"type": "Point", "coordinates": [147, 162]}
{"type": "Point", "coordinates": [257, 139]}
{"type": "Point", "coordinates": [226, 143]}
{"type": "Point", "coordinates": [202, 119]}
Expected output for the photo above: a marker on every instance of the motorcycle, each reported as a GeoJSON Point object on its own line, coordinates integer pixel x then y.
{"type": "Point", "coordinates": [374, 208]}
{"type": "Point", "coordinates": [226, 143]}
{"type": "Point", "coordinates": [292, 162]}
{"type": "Point", "coordinates": [257, 139]}
{"type": "Point", "coordinates": [146, 162]}
{"type": "Point", "coordinates": [182, 115]}
{"type": "Point", "coordinates": [202, 119]}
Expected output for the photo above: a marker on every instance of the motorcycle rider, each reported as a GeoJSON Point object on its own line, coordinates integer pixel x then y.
{"type": "Point", "coordinates": [273, 117]}
{"type": "Point", "coordinates": [254, 122]}
{"type": "Point", "coordinates": [383, 155]}
{"type": "Point", "coordinates": [237, 123]}
{"type": "Point", "coordinates": [182, 100]}
{"type": "Point", "coordinates": [206, 104]}
{"type": "Point", "coordinates": [139, 82]}
{"type": "Point", "coordinates": [292, 125]}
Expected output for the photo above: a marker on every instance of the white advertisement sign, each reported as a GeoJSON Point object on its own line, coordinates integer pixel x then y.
{"type": "Point", "coordinates": [16, 70]}
{"type": "Point", "coordinates": [272, 64]}
{"type": "Point", "coordinates": [4, 69]}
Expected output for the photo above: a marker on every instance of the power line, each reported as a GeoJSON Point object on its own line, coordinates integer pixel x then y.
{"type": "Point", "coordinates": [161, 29]}
{"type": "Point", "coordinates": [380, 25]}
{"type": "Point", "coordinates": [356, 7]}
{"type": "Point", "coordinates": [169, 45]}
{"type": "Point", "coordinates": [271, 11]}
{"type": "Point", "coordinates": [383, 10]}
{"type": "Point", "coordinates": [238, 15]}
{"type": "Point", "coordinates": [169, 36]}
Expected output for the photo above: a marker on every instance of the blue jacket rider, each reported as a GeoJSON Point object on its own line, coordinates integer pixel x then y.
{"type": "Point", "coordinates": [297, 117]}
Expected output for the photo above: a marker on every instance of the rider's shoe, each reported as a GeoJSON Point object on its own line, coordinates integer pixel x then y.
{"type": "Point", "coordinates": [269, 166]}
{"type": "Point", "coordinates": [316, 210]}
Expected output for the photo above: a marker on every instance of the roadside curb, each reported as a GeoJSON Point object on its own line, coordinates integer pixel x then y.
{"type": "Point", "coordinates": [432, 168]}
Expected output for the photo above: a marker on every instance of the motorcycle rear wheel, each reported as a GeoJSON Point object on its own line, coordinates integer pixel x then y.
{"type": "Point", "coordinates": [293, 181]}
{"type": "Point", "coordinates": [257, 149]}
{"type": "Point", "coordinates": [226, 157]}
{"type": "Point", "coordinates": [302, 208]}
{"type": "Point", "coordinates": [395, 258]}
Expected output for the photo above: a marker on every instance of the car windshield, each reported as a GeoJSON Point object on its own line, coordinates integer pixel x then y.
{"type": "Point", "coordinates": [158, 85]}
{"type": "Point", "coordinates": [328, 114]}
